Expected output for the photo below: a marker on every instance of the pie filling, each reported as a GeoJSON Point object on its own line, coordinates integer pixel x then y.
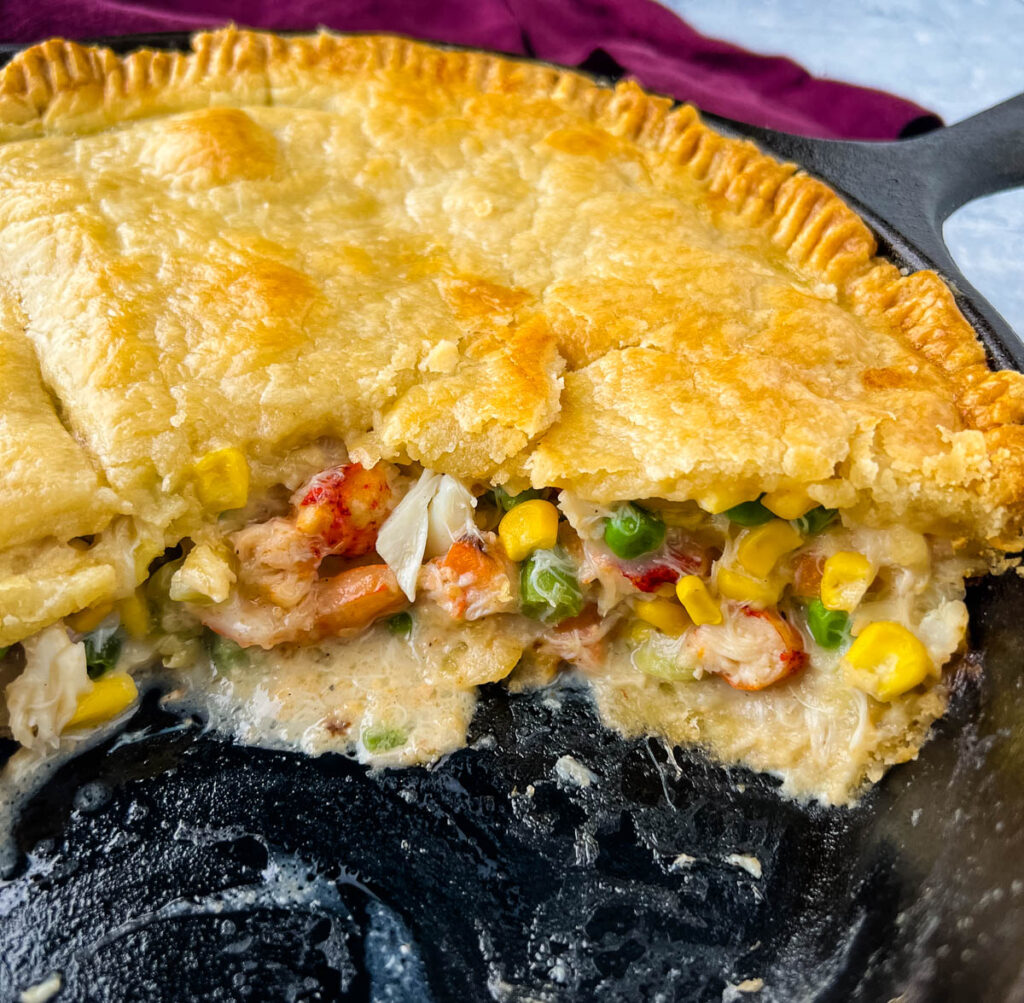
{"type": "Point", "coordinates": [360, 612]}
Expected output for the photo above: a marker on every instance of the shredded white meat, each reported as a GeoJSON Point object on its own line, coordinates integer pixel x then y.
{"type": "Point", "coordinates": [738, 641]}
{"type": "Point", "coordinates": [402, 539]}
{"type": "Point", "coordinates": [598, 565]}
{"type": "Point", "coordinates": [450, 516]}
{"type": "Point", "coordinates": [43, 698]}
{"type": "Point", "coordinates": [587, 518]}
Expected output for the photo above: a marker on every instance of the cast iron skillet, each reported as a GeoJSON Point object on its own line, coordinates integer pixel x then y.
{"type": "Point", "coordinates": [172, 864]}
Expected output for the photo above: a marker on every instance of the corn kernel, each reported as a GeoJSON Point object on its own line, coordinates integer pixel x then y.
{"type": "Point", "coordinates": [788, 504]}
{"type": "Point", "coordinates": [886, 660]}
{"type": "Point", "coordinates": [134, 612]}
{"type": "Point", "coordinates": [719, 499]}
{"type": "Point", "coordinates": [760, 548]}
{"type": "Point", "coordinates": [531, 526]}
{"type": "Point", "coordinates": [205, 577]}
{"type": "Point", "coordinates": [844, 580]}
{"type": "Point", "coordinates": [697, 601]}
{"type": "Point", "coordinates": [743, 588]}
{"type": "Point", "coordinates": [89, 619]}
{"type": "Point", "coordinates": [668, 616]}
{"type": "Point", "coordinates": [110, 694]}
{"type": "Point", "coordinates": [689, 515]}
{"type": "Point", "coordinates": [222, 479]}
{"type": "Point", "coordinates": [637, 632]}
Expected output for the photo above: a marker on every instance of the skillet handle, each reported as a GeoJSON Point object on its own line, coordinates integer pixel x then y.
{"type": "Point", "coordinates": [978, 156]}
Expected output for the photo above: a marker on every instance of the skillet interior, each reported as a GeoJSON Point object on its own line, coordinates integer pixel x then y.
{"type": "Point", "coordinates": [169, 863]}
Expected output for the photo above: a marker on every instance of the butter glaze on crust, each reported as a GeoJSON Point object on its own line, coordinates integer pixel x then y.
{"type": "Point", "coordinates": [698, 313]}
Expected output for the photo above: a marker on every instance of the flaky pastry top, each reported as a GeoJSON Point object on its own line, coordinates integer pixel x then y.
{"type": "Point", "coordinates": [493, 268]}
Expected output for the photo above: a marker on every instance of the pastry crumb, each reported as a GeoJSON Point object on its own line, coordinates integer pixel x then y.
{"type": "Point", "coordinates": [43, 991]}
{"type": "Point", "coordinates": [572, 772]}
{"type": "Point", "coordinates": [442, 358]}
{"type": "Point", "coordinates": [750, 864]}
{"type": "Point", "coordinates": [733, 992]}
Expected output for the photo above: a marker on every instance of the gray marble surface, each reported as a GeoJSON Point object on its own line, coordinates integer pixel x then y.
{"type": "Point", "coordinates": [955, 57]}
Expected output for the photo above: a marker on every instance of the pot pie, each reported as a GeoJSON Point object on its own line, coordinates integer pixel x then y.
{"type": "Point", "coordinates": [342, 375]}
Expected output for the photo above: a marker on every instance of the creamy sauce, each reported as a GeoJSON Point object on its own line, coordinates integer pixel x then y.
{"type": "Point", "coordinates": [391, 701]}
{"type": "Point", "coordinates": [821, 736]}
{"type": "Point", "coordinates": [394, 701]}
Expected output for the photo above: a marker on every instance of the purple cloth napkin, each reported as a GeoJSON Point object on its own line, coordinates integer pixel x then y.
{"type": "Point", "coordinates": [643, 38]}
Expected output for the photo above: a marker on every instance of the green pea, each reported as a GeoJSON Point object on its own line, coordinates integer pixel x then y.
{"type": "Point", "coordinates": [400, 625]}
{"type": "Point", "coordinates": [159, 582]}
{"type": "Point", "coordinates": [652, 660]}
{"type": "Point", "coordinates": [377, 738]}
{"type": "Point", "coordinates": [829, 627]}
{"type": "Point", "coordinates": [548, 587]}
{"type": "Point", "coordinates": [102, 650]}
{"type": "Point", "coordinates": [751, 513]}
{"type": "Point", "coordinates": [225, 655]}
{"type": "Point", "coordinates": [633, 531]}
{"type": "Point", "coordinates": [816, 520]}
{"type": "Point", "coordinates": [505, 501]}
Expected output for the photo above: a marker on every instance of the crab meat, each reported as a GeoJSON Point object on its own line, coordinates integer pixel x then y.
{"type": "Point", "coordinates": [471, 580]}
{"type": "Point", "coordinates": [750, 649]}
{"type": "Point", "coordinates": [581, 640]}
{"type": "Point", "coordinates": [338, 606]}
{"type": "Point", "coordinates": [680, 554]}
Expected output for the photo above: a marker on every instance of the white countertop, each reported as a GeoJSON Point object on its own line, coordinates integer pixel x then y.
{"type": "Point", "coordinates": [955, 57]}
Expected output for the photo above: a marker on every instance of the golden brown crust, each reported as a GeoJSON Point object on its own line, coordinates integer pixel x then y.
{"type": "Point", "coordinates": [61, 86]}
{"type": "Point", "coordinates": [505, 337]}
